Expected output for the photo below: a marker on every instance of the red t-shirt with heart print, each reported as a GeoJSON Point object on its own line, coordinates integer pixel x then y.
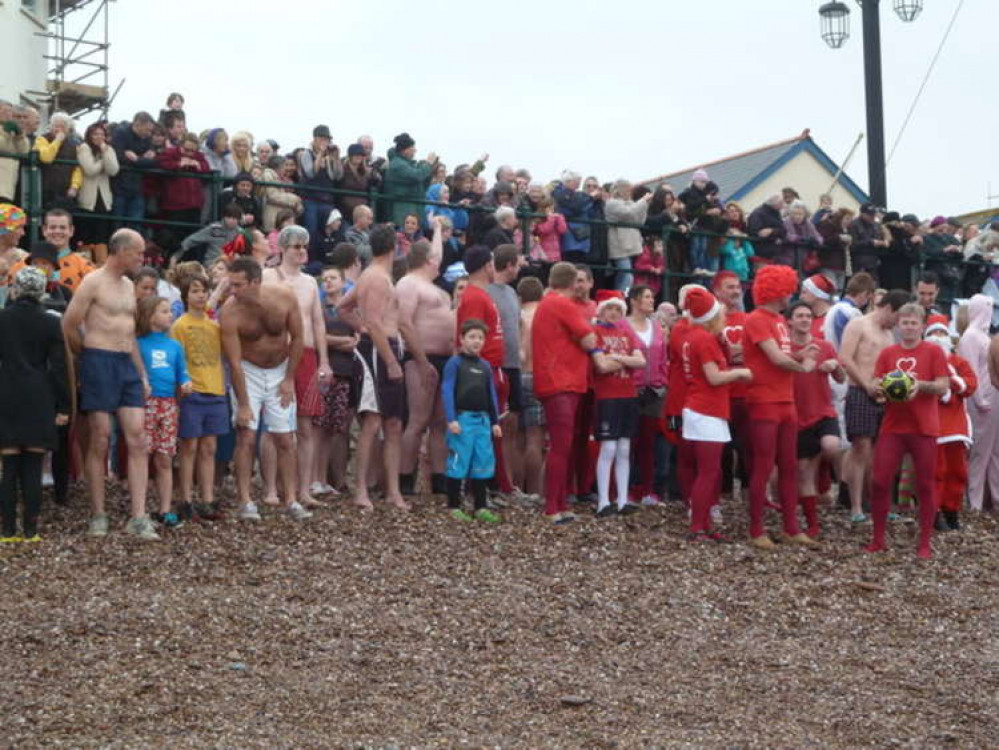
{"type": "Point", "coordinates": [730, 336]}
{"type": "Point", "coordinates": [921, 415]}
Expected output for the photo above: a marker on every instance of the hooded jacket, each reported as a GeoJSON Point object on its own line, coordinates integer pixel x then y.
{"type": "Point", "coordinates": [405, 180]}
{"type": "Point", "coordinates": [974, 347]}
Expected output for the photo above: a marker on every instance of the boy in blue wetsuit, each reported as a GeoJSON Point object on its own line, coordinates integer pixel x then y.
{"type": "Point", "coordinates": [472, 422]}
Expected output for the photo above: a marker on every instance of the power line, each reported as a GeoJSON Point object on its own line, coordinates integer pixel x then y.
{"type": "Point", "coordinates": [926, 79]}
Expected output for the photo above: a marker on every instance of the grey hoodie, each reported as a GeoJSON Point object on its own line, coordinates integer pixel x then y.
{"type": "Point", "coordinates": [974, 347]}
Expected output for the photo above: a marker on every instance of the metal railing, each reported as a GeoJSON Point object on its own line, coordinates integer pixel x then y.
{"type": "Point", "coordinates": [381, 203]}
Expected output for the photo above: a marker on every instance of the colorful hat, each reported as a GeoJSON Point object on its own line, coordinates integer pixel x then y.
{"type": "Point", "coordinates": [607, 297]}
{"type": "Point", "coordinates": [12, 218]}
{"type": "Point", "coordinates": [773, 282]}
{"type": "Point", "coordinates": [936, 323]}
{"type": "Point", "coordinates": [820, 285]}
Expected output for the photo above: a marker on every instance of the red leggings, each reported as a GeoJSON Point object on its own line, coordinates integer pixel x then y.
{"type": "Point", "coordinates": [560, 416]}
{"type": "Point", "coordinates": [502, 384]}
{"type": "Point", "coordinates": [774, 440]}
{"type": "Point", "coordinates": [704, 493]}
{"type": "Point", "coordinates": [952, 475]}
{"type": "Point", "coordinates": [685, 472]}
{"type": "Point", "coordinates": [888, 453]}
{"type": "Point", "coordinates": [583, 457]}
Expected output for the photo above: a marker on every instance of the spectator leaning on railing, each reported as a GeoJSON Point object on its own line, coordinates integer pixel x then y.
{"type": "Point", "coordinates": [13, 140]}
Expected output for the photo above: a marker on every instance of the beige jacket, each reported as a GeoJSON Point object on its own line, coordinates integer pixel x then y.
{"type": "Point", "coordinates": [9, 168]}
{"type": "Point", "coordinates": [275, 199]}
{"type": "Point", "coordinates": [97, 174]}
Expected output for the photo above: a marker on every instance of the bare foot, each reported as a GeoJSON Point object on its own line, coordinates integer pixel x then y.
{"type": "Point", "coordinates": [363, 503]}
{"type": "Point", "coordinates": [399, 503]}
{"type": "Point", "coordinates": [272, 500]}
{"type": "Point", "coordinates": [310, 502]}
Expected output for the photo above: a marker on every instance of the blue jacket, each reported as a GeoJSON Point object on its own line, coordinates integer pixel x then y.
{"type": "Point", "coordinates": [468, 386]}
{"type": "Point", "coordinates": [574, 204]}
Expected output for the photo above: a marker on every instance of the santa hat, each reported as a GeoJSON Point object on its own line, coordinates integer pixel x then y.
{"type": "Point", "coordinates": [701, 305]}
{"type": "Point", "coordinates": [606, 297]}
{"type": "Point", "coordinates": [773, 282]}
{"type": "Point", "coordinates": [682, 294]}
{"type": "Point", "coordinates": [723, 276]}
{"type": "Point", "coordinates": [820, 285]}
{"type": "Point", "coordinates": [936, 323]}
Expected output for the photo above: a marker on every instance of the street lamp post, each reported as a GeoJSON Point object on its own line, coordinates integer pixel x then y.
{"type": "Point", "coordinates": [835, 31]}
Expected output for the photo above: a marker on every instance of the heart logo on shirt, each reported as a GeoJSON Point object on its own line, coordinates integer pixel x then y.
{"type": "Point", "coordinates": [732, 334]}
{"type": "Point", "coordinates": [906, 365]}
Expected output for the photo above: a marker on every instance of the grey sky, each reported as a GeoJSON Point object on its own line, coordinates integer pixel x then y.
{"type": "Point", "coordinates": [631, 89]}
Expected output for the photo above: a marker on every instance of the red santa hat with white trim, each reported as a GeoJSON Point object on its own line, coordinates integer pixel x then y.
{"type": "Point", "coordinates": [820, 285]}
{"type": "Point", "coordinates": [606, 297]}
{"type": "Point", "coordinates": [936, 323]}
{"type": "Point", "coordinates": [701, 305]}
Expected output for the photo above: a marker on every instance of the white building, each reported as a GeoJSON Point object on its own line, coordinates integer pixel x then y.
{"type": "Point", "coordinates": [22, 49]}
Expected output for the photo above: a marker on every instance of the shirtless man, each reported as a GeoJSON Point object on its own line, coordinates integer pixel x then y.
{"type": "Point", "coordinates": [262, 341]}
{"type": "Point", "coordinates": [99, 326]}
{"type": "Point", "coordinates": [863, 340]}
{"type": "Point", "coordinates": [530, 291]}
{"type": "Point", "coordinates": [427, 308]}
{"type": "Point", "coordinates": [372, 309]}
{"type": "Point", "coordinates": [294, 243]}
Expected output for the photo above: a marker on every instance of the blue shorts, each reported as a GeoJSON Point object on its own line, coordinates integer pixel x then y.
{"type": "Point", "coordinates": [203, 414]}
{"type": "Point", "coordinates": [470, 454]}
{"type": "Point", "coordinates": [109, 381]}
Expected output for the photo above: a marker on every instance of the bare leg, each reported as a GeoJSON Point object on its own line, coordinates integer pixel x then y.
{"type": "Point", "coordinates": [243, 462]}
{"type": "Point", "coordinates": [321, 466]}
{"type": "Point", "coordinates": [437, 443]}
{"type": "Point", "coordinates": [287, 459]}
{"type": "Point", "coordinates": [188, 453]}
{"type": "Point", "coordinates": [340, 448]}
{"type": "Point", "coordinates": [97, 457]}
{"type": "Point", "coordinates": [206, 468]}
{"type": "Point", "coordinates": [133, 427]}
{"type": "Point", "coordinates": [306, 458]}
{"type": "Point", "coordinates": [393, 438]}
{"type": "Point", "coordinates": [164, 480]}
{"type": "Point", "coordinates": [420, 389]}
{"type": "Point", "coordinates": [511, 449]}
{"type": "Point", "coordinates": [534, 460]}
{"type": "Point", "coordinates": [269, 469]}
{"type": "Point", "coordinates": [859, 466]}
{"type": "Point", "coordinates": [370, 422]}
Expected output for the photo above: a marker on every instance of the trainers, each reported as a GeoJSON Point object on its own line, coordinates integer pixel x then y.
{"type": "Point", "coordinates": [650, 500]}
{"type": "Point", "coordinates": [560, 519]}
{"type": "Point", "coordinates": [296, 511]}
{"type": "Point", "coordinates": [185, 512]}
{"type": "Point", "coordinates": [498, 500]}
{"type": "Point", "coordinates": [716, 514]}
{"type": "Point", "coordinates": [459, 515]}
{"type": "Point", "coordinates": [13, 539]}
{"type": "Point", "coordinates": [518, 495]}
{"type": "Point", "coordinates": [249, 512]}
{"type": "Point", "coordinates": [486, 515]}
{"type": "Point", "coordinates": [142, 528]}
{"type": "Point", "coordinates": [763, 542]}
{"type": "Point", "coordinates": [210, 511]}
{"type": "Point", "coordinates": [33, 539]}
{"type": "Point", "coordinates": [628, 508]}
{"type": "Point", "coordinates": [98, 526]}
{"type": "Point", "coordinates": [608, 511]}
{"type": "Point", "coordinates": [859, 519]}
{"type": "Point", "coordinates": [171, 521]}
{"type": "Point", "coordinates": [802, 540]}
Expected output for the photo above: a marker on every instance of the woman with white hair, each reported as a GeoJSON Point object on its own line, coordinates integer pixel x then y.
{"type": "Point", "coordinates": [59, 142]}
{"type": "Point", "coordinates": [624, 242]}
{"type": "Point", "coordinates": [802, 234]}
{"type": "Point", "coordinates": [242, 151]}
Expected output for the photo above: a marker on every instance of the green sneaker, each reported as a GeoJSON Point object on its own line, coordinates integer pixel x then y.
{"type": "Point", "coordinates": [486, 515]}
{"type": "Point", "coordinates": [99, 525]}
{"type": "Point", "coordinates": [859, 519]}
{"type": "Point", "coordinates": [459, 515]}
{"type": "Point", "coordinates": [142, 528]}
{"type": "Point", "coordinates": [10, 539]}
{"type": "Point", "coordinates": [32, 539]}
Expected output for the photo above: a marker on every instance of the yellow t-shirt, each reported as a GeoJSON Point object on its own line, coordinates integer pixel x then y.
{"type": "Point", "coordinates": [202, 342]}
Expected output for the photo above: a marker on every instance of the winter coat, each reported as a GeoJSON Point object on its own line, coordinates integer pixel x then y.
{"type": "Point", "coordinates": [406, 180]}
{"type": "Point", "coordinates": [129, 181]}
{"type": "Point", "coordinates": [33, 380]}
{"type": "Point", "coordinates": [15, 143]}
{"type": "Point", "coordinates": [735, 255]}
{"type": "Point", "coordinates": [625, 242]}
{"type": "Point", "coordinates": [97, 174]}
{"type": "Point", "coordinates": [248, 204]}
{"type": "Point", "coordinates": [181, 193]}
{"type": "Point", "coordinates": [573, 205]}
{"type": "Point", "coordinates": [974, 347]}
{"type": "Point", "coordinates": [274, 199]}
{"type": "Point", "coordinates": [649, 268]}
{"type": "Point", "coordinates": [224, 164]}
{"type": "Point", "coordinates": [361, 180]}
{"type": "Point", "coordinates": [549, 233]}
{"type": "Point", "coordinates": [766, 217]}
{"type": "Point", "coordinates": [955, 427]}
{"type": "Point", "coordinates": [311, 176]}
{"type": "Point", "coordinates": [434, 194]}
{"type": "Point", "coordinates": [56, 178]}
{"type": "Point", "coordinates": [804, 233]}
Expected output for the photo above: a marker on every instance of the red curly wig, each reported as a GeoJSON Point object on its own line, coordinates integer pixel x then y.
{"type": "Point", "coordinates": [774, 282]}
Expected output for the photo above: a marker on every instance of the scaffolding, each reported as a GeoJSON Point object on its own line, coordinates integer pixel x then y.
{"type": "Point", "coordinates": [77, 78]}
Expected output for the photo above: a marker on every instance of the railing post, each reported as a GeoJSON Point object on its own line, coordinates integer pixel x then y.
{"type": "Point", "coordinates": [34, 196]}
{"type": "Point", "coordinates": [667, 272]}
{"type": "Point", "coordinates": [216, 192]}
{"type": "Point", "coordinates": [525, 230]}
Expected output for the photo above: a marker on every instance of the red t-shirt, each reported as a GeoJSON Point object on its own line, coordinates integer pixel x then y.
{"type": "Point", "coordinates": [560, 365]}
{"type": "Point", "coordinates": [771, 384]}
{"type": "Point", "coordinates": [818, 323]}
{"type": "Point", "coordinates": [700, 347]}
{"type": "Point", "coordinates": [676, 386]}
{"type": "Point", "coordinates": [812, 393]}
{"type": "Point", "coordinates": [921, 415]}
{"type": "Point", "coordinates": [615, 339]}
{"type": "Point", "coordinates": [476, 303]}
{"type": "Point", "coordinates": [732, 334]}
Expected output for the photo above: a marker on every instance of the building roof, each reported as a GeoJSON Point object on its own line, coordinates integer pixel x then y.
{"type": "Point", "coordinates": [737, 175]}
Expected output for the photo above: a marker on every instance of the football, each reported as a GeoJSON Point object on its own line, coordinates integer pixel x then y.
{"type": "Point", "coordinates": [897, 385]}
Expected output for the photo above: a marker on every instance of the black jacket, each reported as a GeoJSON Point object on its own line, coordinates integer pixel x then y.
{"type": "Point", "coordinates": [766, 217]}
{"type": "Point", "coordinates": [124, 139]}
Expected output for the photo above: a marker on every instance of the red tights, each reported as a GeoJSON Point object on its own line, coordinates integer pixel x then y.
{"type": "Point", "coordinates": [644, 450]}
{"type": "Point", "coordinates": [704, 493]}
{"type": "Point", "coordinates": [888, 454]}
{"type": "Point", "coordinates": [774, 441]}
{"type": "Point", "coordinates": [952, 475]}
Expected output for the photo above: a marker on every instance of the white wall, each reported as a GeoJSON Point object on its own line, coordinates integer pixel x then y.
{"type": "Point", "coordinates": [21, 52]}
{"type": "Point", "coordinates": [808, 177]}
